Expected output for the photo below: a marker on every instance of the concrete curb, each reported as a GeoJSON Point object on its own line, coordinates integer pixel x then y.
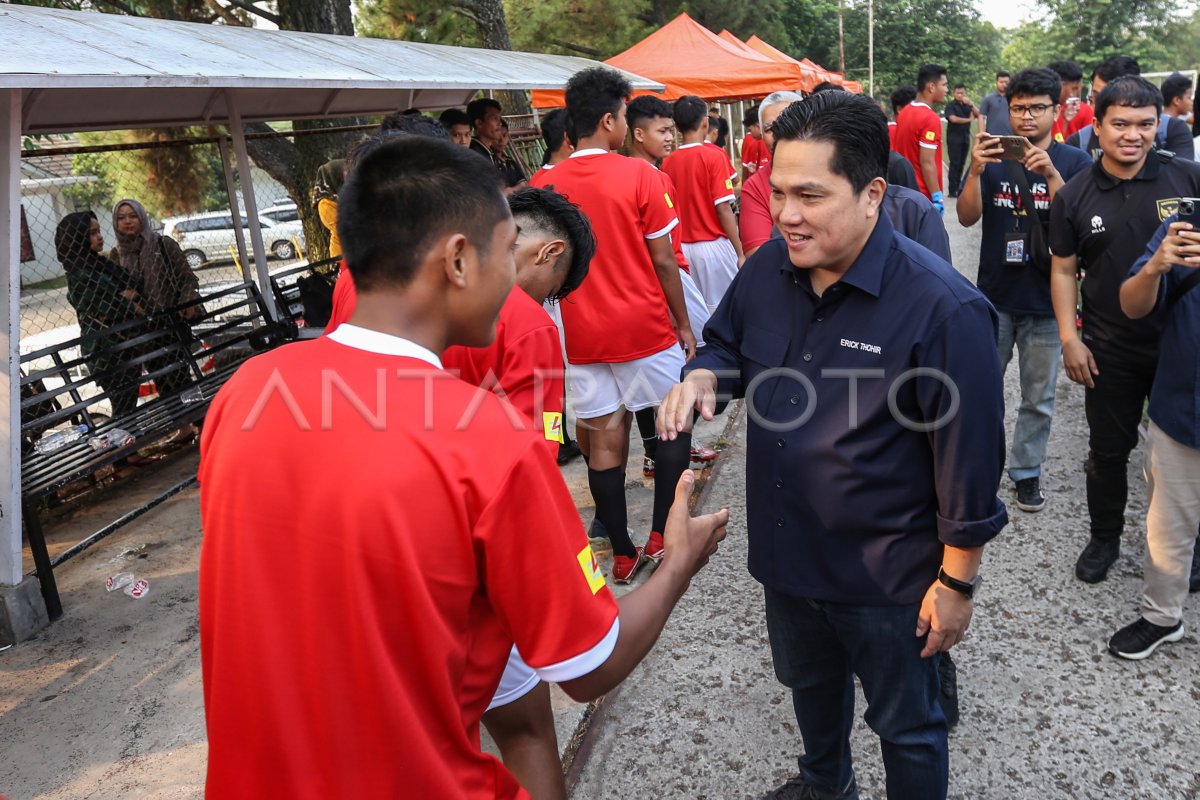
{"type": "Point", "coordinates": [575, 754]}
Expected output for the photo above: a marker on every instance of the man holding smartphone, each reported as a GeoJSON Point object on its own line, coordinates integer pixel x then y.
{"type": "Point", "coordinates": [1102, 220]}
{"type": "Point", "coordinates": [1014, 258]}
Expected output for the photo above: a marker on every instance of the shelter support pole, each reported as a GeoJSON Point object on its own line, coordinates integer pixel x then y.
{"type": "Point", "coordinates": [22, 604]}
{"type": "Point", "coordinates": [261, 272]}
{"type": "Point", "coordinates": [10, 331]}
{"type": "Point", "coordinates": [871, 49]}
{"type": "Point", "coordinates": [231, 190]}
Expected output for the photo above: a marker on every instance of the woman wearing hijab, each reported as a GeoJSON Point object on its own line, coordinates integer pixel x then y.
{"type": "Point", "coordinates": [157, 263]}
{"type": "Point", "coordinates": [103, 295]}
{"type": "Point", "coordinates": [330, 176]}
{"type": "Point", "coordinates": [155, 260]}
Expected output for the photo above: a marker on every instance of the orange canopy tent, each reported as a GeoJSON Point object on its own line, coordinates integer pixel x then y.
{"type": "Point", "coordinates": [692, 60]}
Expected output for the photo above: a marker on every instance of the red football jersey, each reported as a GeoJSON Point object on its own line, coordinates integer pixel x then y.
{"type": "Point", "coordinates": [676, 239]}
{"type": "Point", "coordinates": [345, 298]}
{"type": "Point", "coordinates": [619, 314]}
{"type": "Point", "coordinates": [703, 182]}
{"type": "Point", "coordinates": [1083, 118]}
{"type": "Point", "coordinates": [919, 127]}
{"type": "Point", "coordinates": [755, 152]}
{"type": "Point", "coordinates": [754, 222]}
{"type": "Point", "coordinates": [525, 361]}
{"type": "Point", "coordinates": [370, 524]}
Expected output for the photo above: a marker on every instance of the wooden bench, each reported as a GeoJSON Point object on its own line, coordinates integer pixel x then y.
{"type": "Point", "coordinates": [59, 392]}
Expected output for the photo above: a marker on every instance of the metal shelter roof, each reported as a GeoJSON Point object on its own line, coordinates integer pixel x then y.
{"type": "Point", "coordinates": [77, 71]}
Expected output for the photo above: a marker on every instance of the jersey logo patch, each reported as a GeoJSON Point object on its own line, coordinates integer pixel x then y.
{"type": "Point", "coordinates": [1166, 207]}
{"type": "Point", "coordinates": [667, 197]}
{"type": "Point", "coordinates": [729, 183]}
{"type": "Point", "coordinates": [552, 425]}
{"type": "Point", "coordinates": [591, 569]}
{"type": "Point", "coordinates": [930, 136]}
{"type": "Point", "coordinates": [1058, 137]}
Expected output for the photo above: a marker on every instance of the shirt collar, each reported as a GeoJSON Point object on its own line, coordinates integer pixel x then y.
{"type": "Point", "coordinates": [1105, 181]}
{"type": "Point", "coordinates": [686, 146]}
{"type": "Point", "coordinates": [866, 273]}
{"type": "Point", "coordinates": [384, 344]}
{"type": "Point", "coordinates": [923, 105]}
{"type": "Point", "coordinates": [591, 151]}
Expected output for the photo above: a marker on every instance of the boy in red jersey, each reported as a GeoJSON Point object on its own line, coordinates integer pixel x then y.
{"type": "Point", "coordinates": [919, 133]}
{"type": "Point", "coordinates": [352, 636]}
{"type": "Point", "coordinates": [705, 198]}
{"type": "Point", "coordinates": [622, 338]}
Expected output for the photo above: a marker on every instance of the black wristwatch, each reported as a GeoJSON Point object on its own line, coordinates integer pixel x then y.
{"type": "Point", "coordinates": [967, 588]}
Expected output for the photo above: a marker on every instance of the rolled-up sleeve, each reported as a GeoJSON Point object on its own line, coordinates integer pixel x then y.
{"type": "Point", "coordinates": [961, 395]}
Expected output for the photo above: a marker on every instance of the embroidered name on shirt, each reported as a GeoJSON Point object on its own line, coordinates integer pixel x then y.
{"type": "Point", "coordinates": [866, 348]}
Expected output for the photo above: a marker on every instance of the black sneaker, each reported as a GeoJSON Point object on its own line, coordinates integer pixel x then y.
{"type": "Point", "coordinates": [598, 536]}
{"type": "Point", "coordinates": [948, 688]}
{"type": "Point", "coordinates": [1096, 558]}
{"type": "Point", "coordinates": [1140, 639]}
{"type": "Point", "coordinates": [568, 452]}
{"type": "Point", "coordinates": [1194, 581]}
{"type": "Point", "coordinates": [1029, 495]}
{"type": "Point", "coordinates": [799, 789]}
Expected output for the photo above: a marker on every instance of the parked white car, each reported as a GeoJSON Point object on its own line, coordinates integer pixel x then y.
{"type": "Point", "coordinates": [209, 236]}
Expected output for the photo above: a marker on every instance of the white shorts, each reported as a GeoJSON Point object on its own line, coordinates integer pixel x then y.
{"type": "Point", "coordinates": [518, 680]}
{"type": "Point", "coordinates": [714, 265]}
{"type": "Point", "coordinates": [697, 308]}
{"type": "Point", "coordinates": [597, 390]}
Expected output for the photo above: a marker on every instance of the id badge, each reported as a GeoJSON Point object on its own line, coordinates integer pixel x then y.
{"type": "Point", "coordinates": [1016, 248]}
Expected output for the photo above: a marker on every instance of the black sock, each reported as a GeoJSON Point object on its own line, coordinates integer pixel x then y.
{"type": "Point", "coordinates": [673, 458]}
{"type": "Point", "coordinates": [608, 492]}
{"type": "Point", "coordinates": [646, 429]}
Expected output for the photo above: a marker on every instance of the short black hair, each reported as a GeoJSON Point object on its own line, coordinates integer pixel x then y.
{"type": "Point", "coordinates": [550, 212]}
{"type": "Point", "coordinates": [646, 108]}
{"type": "Point", "coordinates": [554, 130]}
{"type": "Point", "coordinates": [901, 97]}
{"type": "Point", "coordinates": [1131, 91]}
{"type": "Point", "coordinates": [406, 193]}
{"type": "Point", "coordinates": [1035, 82]}
{"type": "Point", "coordinates": [750, 117]}
{"type": "Point", "coordinates": [958, 86]}
{"type": "Point", "coordinates": [827, 86]}
{"type": "Point", "coordinates": [454, 116]}
{"type": "Point", "coordinates": [690, 111]}
{"type": "Point", "coordinates": [852, 123]}
{"type": "Point", "coordinates": [1115, 67]}
{"type": "Point", "coordinates": [477, 109]}
{"type": "Point", "coordinates": [929, 73]}
{"type": "Point", "coordinates": [414, 125]}
{"type": "Point", "coordinates": [1067, 71]}
{"type": "Point", "coordinates": [1002, 74]}
{"type": "Point", "coordinates": [1175, 86]}
{"type": "Point", "coordinates": [722, 126]}
{"type": "Point", "coordinates": [592, 93]}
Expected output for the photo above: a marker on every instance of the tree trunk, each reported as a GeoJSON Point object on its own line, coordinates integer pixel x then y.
{"type": "Point", "coordinates": [316, 16]}
{"type": "Point", "coordinates": [488, 16]}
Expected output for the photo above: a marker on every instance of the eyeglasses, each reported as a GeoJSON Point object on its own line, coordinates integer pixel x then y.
{"type": "Point", "coordinates": [1036, 110]}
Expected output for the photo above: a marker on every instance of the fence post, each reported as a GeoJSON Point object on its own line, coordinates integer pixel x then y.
{"type": "Point", "coordinates": [261, 272]}
{"type": "Point", "coordinates": [239, 234]}
{"type": "Point", "coordinates": [22, 609]}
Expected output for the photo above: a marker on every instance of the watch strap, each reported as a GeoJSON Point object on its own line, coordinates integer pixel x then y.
{"type": "Point", "coordinates": [966, 588]}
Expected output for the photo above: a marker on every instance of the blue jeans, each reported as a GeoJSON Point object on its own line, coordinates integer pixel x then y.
{"type": "Point", "coordinates": [817, 648]}
{"type": "Point", "coordinates": [1039, 353]}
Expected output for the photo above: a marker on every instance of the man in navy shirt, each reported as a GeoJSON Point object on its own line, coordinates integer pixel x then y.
{"type": "Point", "coordinates": [1158, 282]}
{"type": "Point", "coordinates": [875, 446]}
{"type": "Point", "coordinates": [1014, 261]}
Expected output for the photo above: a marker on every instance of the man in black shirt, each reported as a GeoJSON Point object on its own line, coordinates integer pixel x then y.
{"type": "Point", "coordinates": [1103, 219]}
{"type": "Point", "coordinates": [488, 123]}
{"type": "Point", "coordinates": [959, 113]}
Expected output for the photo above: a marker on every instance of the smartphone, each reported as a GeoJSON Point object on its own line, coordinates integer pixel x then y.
{"type": "Point", "coordinates": [1189, 210]}
{"type": "Point", "coordinates": [1014, 147]}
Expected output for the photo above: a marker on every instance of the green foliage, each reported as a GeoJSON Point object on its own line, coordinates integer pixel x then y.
{"type": "Point", "coordinates": [415, 21]}
{"type": "Point", "coordinates": [592, 28]}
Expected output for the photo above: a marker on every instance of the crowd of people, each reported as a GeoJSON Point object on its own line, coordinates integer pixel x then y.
{"type": "Point", "coordinates": [442, 576]}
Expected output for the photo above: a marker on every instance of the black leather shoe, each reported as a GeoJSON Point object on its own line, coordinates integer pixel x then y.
{"type": "Point", "coordinates": [1096, 558]}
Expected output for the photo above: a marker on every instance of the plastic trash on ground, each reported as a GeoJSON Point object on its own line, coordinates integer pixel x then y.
{"type": "Point", "coordinates": [59, 439]}
{"type": "Point", "coordinates": [115, 437]}
{"type": "Point", "coordinates": [118, 581]}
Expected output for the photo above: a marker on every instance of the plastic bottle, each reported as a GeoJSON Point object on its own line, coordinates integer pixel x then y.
{"type": "Point", "coordinates": [59, 439]}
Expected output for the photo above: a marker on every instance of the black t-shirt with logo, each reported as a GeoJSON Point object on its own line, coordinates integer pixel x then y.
{"type": "Point", "coordinates": [959, 130]}
{"type": "Point", "coordinates": [1080, 215]}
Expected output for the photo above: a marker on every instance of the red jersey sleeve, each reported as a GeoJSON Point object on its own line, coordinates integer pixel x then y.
{"type": "Point", "coordinates": [720, 184]}
{"type": "Point", "coordinates": [656, 207]}
{"type": "Point", "coordinates": [345, 299]}
{"type": "Point", "coordinates": [541, 577]}
{"type": "Point", "coordinates": [929, 135]}
{"type": "Point", "coordinates": [533, 365]}
{"type": "Point", "coordinates": [749, 151]}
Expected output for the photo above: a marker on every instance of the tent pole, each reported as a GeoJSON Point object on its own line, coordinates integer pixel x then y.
{"type": "Point", "coordinates": [231, 190]}
{"type": "Point", "coordinates": [11, 568]}
{"type": "Point", "coordinates": [261, 273]}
